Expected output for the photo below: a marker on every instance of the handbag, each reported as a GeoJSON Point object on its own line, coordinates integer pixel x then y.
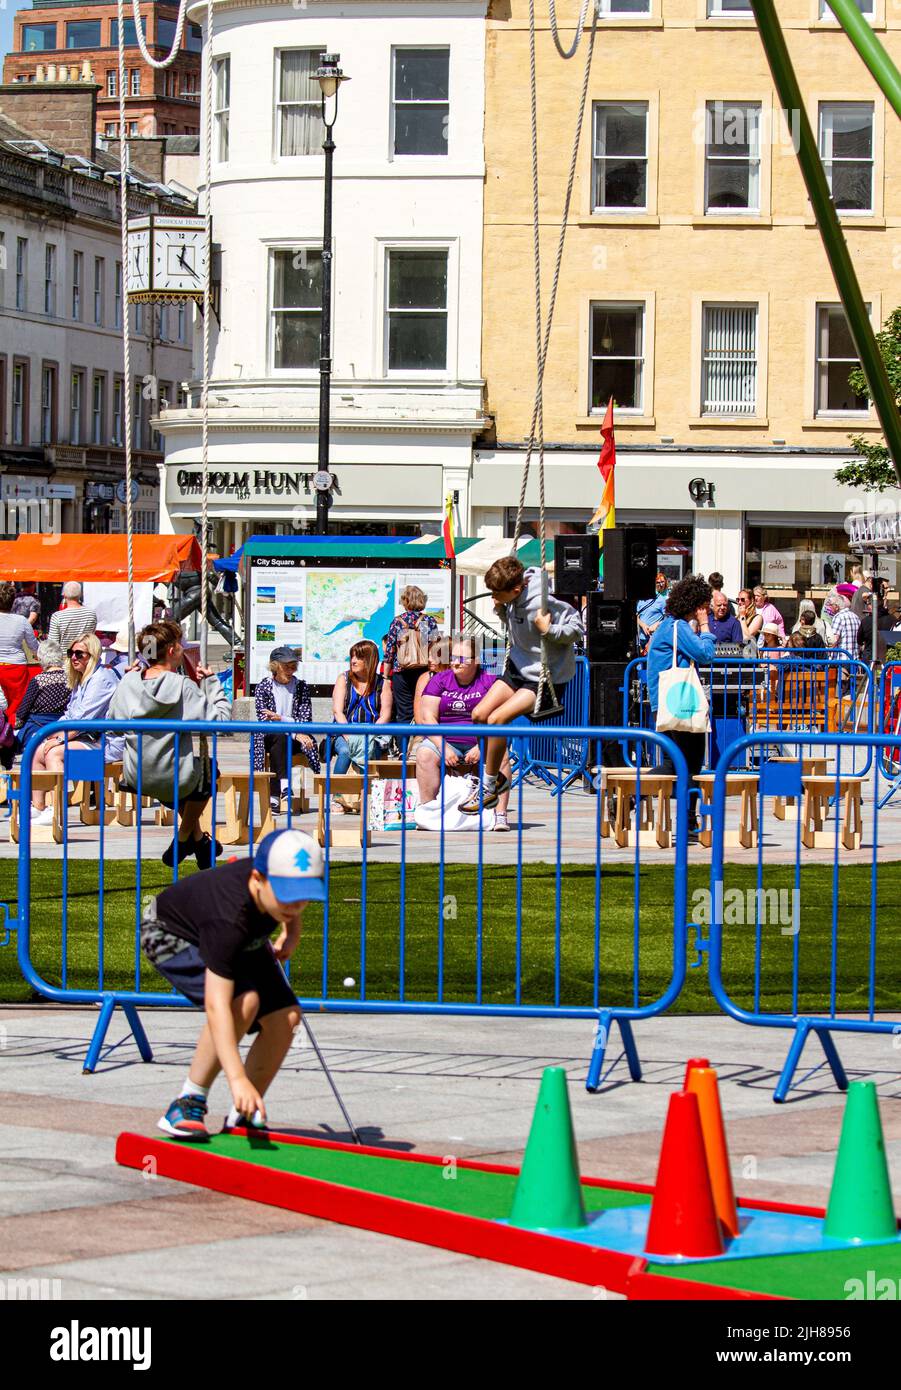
{"type": "Point", "coordinates": [682, 705]}
{"type": "Point", "coordinates": [412, 648]}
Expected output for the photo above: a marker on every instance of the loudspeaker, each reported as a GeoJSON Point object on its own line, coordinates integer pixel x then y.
{"type": "Point", "coordinates": [610, 627]}
{"type": "Point", "coordinates": [605, 697]}
{"type": "Point", "coordinates": [576, 564]}
{"type": "Point", "coordinates": [630, 562]}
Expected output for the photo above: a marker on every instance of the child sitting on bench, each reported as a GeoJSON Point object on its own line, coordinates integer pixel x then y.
{"type": "Point", "coordinates": [518, 602]}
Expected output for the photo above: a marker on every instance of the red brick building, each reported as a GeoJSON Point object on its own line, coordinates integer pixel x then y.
{"type": "Point", "coordinates": [63, 40]}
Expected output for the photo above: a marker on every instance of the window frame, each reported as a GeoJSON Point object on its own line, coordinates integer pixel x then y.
{"type": "Point", "coordinates": [45, 48]}
{"type": "Point", "coordinates": [22, 369]}
{"type": "Point", "coordinates": [451, 250]}
{"type": "Point", "coordinates": [99, 291]}
{"type": "Point", "coordinates": [117, 295]}
{"type": "Point", "coordinates": [278, 103]}
{"type": "Point", "coordinates": [83, 47]}
{"type": "Point", "coordinates": [221, 114]}
{"type": "Point", "coordinates": [77, 286]}
{"type": "Point", "coordinates": [98, 379]}
{"type": "Point", "coordinates": [272, 248]}
{"type": "Point", "coordinates": [49, 409]}
{"type": "Point", "coordinates": [595, 209]}
{"type": "Point", "coordinates": [117, 437]}
{"type": "Point", "coordinates": [758, 160]}
{"type": "Point", "coordinates": [821, 105]}
{"type": "Point", "coordinates": [824, 416]}
{"type": "Point", "coordinates": [707, 302]}
{"type": "Point", "coordinates": [50, 265]}
{"type": "Point", "coordinates": [630, 413]}
{"type": "Point", "coordinates": [419, 48]}
{"type": "Point", "coordinates": [22, 274]}
{"type": "Point", "coordinates": [112, 82]}
{"type": "Point", "coordinates": [76, 431]}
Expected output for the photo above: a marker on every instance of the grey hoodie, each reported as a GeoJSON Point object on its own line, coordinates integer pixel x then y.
{"type": "Point", "coordinates": [169, 696]}
{"type": "Point", "coordinates": [565, 630]}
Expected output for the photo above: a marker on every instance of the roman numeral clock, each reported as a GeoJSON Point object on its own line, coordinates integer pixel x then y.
{"type": "Point", "coordinates": [167, 260]}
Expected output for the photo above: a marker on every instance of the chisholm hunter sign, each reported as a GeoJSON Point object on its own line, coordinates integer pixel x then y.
{"type": "Point", "coordinates": [247, 482]}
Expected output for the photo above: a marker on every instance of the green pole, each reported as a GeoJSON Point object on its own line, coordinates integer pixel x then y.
{"type": "Point", "coordinates": [830, 229]}
{"type": "Point", "coordinates": [870, 49]}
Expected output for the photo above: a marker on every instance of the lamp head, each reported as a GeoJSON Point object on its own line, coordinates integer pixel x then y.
{"type": "Point", "coordinates": [329, 75]}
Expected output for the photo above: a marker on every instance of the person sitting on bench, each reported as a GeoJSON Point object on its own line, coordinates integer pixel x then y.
{"type": "Point", "coordinates": [281, 698]}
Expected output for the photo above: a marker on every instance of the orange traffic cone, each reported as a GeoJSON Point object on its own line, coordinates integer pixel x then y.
{"type": "Point", "coordinates": [683, 1214]}
{"type": "Point", "coordinates": [690, 1066]}
{"type": "Point", "coordinates": [702, 1083]}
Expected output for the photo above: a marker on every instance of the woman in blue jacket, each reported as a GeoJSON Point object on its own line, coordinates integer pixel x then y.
{"type": "Point", "coordinates": [689, 599]}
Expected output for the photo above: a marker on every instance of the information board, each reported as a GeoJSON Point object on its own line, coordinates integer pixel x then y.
{"type": "Point", "coordinates": [320, 608]}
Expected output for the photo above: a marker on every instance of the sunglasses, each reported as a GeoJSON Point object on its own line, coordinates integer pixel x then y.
{"type": "Point", "coordinates": [461, 660]}
{"type": "Point", "coordinates": [73, 652]}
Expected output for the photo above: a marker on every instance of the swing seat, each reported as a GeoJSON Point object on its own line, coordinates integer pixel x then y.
{"type": "Point", "coordinates": [541, 716]}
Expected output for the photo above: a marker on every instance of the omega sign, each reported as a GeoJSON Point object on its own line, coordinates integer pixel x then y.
{"type": "Point", "coordinates": [247, 482]}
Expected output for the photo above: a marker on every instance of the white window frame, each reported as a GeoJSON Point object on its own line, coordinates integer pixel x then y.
{"type": "Point", "coordinates": [825, 15]}
{"type": "Point", "coordinates": [824, 134]}
{"type": "Point", "coordinates": [117, 296]}
{"type": "Point", "coordinates": [614, 210]}
{"type": "Point", "coordinates": [419, 48]}
{"type": "Point", "coordinates": [118, 435]}
{"type": "Point", "coordinates": [222, 65]}
{"type": "Point", "coordinates": [50, 279]}
{"type": "Point", "coordinates": [99, 287]}
{"type": "Point", "coordinates": [606, 10]}
{"type": "Point", "coordinates": [137, 415]}
{"type": "Point", "coordinates": [618, 305]}
{"type": "Point", "coordinates": [719, 9]}
{"type": "Point", "coordinates": [22, 273]}
{"type": "Point", "coordinates": [429, 373]}
{"type": "Point", "coordinates": [77, 278]}
{"type": "Point", "coordinates": [112, 82]}
{"type": "Point", "coordinates": [823, 412]}
{"type": "Point", "coordinates": [98, 408]}
{"type": "Point", "coordinates": [76, 406]}
{"type": "Point", "coordinates": [19, 402]}
{"type": "Point", "coordinates": [135, 85]}
{"type": "Point", "coordinates": [708, 305]}
{"type": "Point", "coordinates": [181, 323]}
{"type": "Point", "coordinates": [271, 249]}
{"type": "Point", "coordinates": [278, 103]}
{"type": "Point", "coordinates": [48, 391]}
{"type": "Point", "coordinates": [754, 161]}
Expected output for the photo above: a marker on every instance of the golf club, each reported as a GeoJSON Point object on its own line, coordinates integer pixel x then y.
{"type": "Point", "coordinates": [331, 1080]}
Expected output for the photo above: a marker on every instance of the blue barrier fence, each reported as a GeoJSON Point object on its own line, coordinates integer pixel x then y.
{"type": "Point", "coordinates": [811, 928]}
{"type": "Point", "coordinates": [447, 927]}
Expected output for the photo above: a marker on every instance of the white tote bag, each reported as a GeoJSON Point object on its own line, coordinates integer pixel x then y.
{"type": "Point", "coordinates": [682, 706]}
{"type": "Point", "coordinates": [430, 815]}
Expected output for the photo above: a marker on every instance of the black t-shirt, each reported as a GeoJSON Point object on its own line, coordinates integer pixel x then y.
{"type": "Point", "coordinates": [214, 911]}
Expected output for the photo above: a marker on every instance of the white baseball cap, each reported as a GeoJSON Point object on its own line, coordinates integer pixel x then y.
{"type": "Point", "coordinates": [294, 865]}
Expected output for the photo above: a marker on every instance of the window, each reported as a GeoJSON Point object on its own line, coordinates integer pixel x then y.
{"type": "Point", "coordinates": [20, 402]}
{"type": "Point", "coordinates": [130, 33]}
{"type": "Point", "coordinates": [98, 404]}
{"type": "Point", "coordinates": [118, 412]}
{"type": "Point", "coordinates": [729, 9]}
{"type": "Point", "coordinates": [76, 408]}
{"type": "Point", "coordinates": [865, 7]}
{"type": "Point", "coordinates": [110, 130]}
{"type": "Point", "coordinates": [221, 98]}
{"type": "Point", "coordinates": [83, 33]}
{"type": "Point", "coordinates": [48, 405]}
{"type": "Point", "coordinates": [36, 38]}
{"type": "Point", "coordinates": [112, 82]}
{"type": "Point", "coordinates": [421, 108]}
{"type": "Point", "coordinates": [732, 157]}
{"type": "Point", "coordinates": [99, 277]}
{"type": "Point", "coordinates": [729, 380]}
{"type": "Point", "coordinates": [132, 128]}
{"type": "Point", "coordinates": [189, 86]}
{"type": "Point", "coordinates": [617, 356]}
{"type": "Point", "coordinates": [165, 33]}
{"type": "Point", "coordinates": [137, 416]}
{"type": "Point", "coordinates": [117, 296]}
{"type": "Point", "coordinates": [139, 318]}
{"type": "Point", "coordinates": [77, 263]}
{"type": "Point", "coordinates": [620, 158]}
{"type": "Point", "coordinates": [181, 323]}
{"type": "Point", "coordinates": [2, 267]}
{"type": "Point", "coordinates": [21, 272]}
{"type": "Point", "coordinates": [193, 38]}
{"type": "Point", "coordinates": [136, 83]}
{"type": "Point", "coordinates": [623, 7]}
{"type": "Point", "coordinates": [836, 357]}
{"type": "Point", "coordinates": [299, 107]}
{"type": "Point", "coordinates": [164, 323]}
{"type": "Point", "coordinates": [417, 311]}
{"type": "Point", "coordinates": [3, 399]}
{"type": "Point", "coordinates": [50, 279]}
{"type": "Point", "coordinates": [296, 312]}
{"type": "Point", "coordinates": [846, 148]}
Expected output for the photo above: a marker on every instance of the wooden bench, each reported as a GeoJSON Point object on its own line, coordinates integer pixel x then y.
{"type": "Point", "coordinates": [818, 792]}
{"type": "Point", "coordinates": [786, 807]}
{"type": "Point", "coordinates": [653, 819]}
{"type": "Point", "coordinates": [744, 786]}
{"type": "Point", "coordinates": [348, 786]}
{"type": "Point", "coordinates": [239, 790]}
{"type": "Point", "coordinates": [52, 784]}
{"type": "Point", "coordinates": [793, 700]}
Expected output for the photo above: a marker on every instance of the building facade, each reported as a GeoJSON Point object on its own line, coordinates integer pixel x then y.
{"type": "Point", "coordinates": [695, 289]}
{"type": "Point", "coordinates": [62, 387]}
{"type": "Point", "coordinates": [407, 269]}
{"type": "Point", "coordinates": [59, 40]}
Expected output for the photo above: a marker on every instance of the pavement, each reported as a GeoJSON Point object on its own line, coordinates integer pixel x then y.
{"type": "Point", "coordinates": [458, 1087]}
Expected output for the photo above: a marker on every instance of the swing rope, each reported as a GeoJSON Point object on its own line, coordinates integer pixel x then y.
{"type": "Point", "coordinates": [542, 338]}
{"type": "Point", "coordinates": [124, 165]}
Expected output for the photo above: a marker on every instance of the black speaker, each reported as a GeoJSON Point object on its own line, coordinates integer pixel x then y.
{"type": "Point", "coordinates": [630, 562]}
{"type": "Point", "coordinates": [576, 564]}
{"type": "Point", "coordinates": [605, 696]}
{"type": "Point", "coordinates": [610, 627]}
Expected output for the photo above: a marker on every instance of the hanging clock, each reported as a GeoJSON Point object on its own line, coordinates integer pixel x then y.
{"type": "Point", "coordinates": [167, 258]}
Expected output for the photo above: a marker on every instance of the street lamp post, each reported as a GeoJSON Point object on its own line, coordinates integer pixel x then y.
{"type": "Point", "coordinates": [330, 78]}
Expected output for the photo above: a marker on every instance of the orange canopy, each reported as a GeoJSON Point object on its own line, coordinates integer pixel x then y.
{"type": "Point", "coordinates": [54, 559]}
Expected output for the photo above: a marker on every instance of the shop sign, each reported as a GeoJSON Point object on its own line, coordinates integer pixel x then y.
{"type": "Point", "coordinates": [32, 489]}
{"type": "Point", "coordinates": [778, 568]}
{"type": "Point", "coordinates": [243, 483]}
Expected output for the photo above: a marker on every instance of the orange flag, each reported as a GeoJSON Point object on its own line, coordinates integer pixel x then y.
{"type": "Point", "coordinates": [606, 511]}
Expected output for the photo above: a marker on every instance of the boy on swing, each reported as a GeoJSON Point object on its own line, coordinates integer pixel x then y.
{"type": "Point", "coordinates": [519, 604]}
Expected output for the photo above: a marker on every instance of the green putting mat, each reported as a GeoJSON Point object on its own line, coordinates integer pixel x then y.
{"type": "Point", "coordinates": [464, 1190]}
{"type": "Point", "coordinates": [822, 1276]}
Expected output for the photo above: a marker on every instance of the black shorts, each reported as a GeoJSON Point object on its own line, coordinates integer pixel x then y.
{"type": "Point", "coordinates": [515, 681]}
{"type": "Point", "coordinates": [202, 792]}
{"type": "Point", "coordinates": [257, 970]}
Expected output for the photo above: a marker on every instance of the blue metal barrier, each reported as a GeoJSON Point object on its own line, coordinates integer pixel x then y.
{"type": "Point", "coordinates": [819, 692]}
{"type": "Point", "coordinates": [459, 932]}
{"type": "Point", "coordinates": [889, 721]}
{"type": "Point", "coordinates": [541, 756]}
{"type": "Point", "coordinates": [841, 951]}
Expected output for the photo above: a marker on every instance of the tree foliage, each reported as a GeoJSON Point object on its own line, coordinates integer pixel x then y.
{"type": "Point", "coordinates": [873, 470]}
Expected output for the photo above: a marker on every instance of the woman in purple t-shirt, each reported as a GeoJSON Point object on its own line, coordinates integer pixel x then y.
{"type": "Point", "coordinates": [449, 698]}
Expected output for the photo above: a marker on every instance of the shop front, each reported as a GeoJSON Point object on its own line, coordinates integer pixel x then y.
{"type": "Point", "coordinates": [803, 557]}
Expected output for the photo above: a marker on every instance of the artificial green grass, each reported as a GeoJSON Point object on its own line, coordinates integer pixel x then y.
{"type": "Point", "coordinates": [444, 916]}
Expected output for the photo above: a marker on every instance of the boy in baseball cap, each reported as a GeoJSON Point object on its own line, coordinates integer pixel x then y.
{"type": "Point", "coordinates": [209, 935]}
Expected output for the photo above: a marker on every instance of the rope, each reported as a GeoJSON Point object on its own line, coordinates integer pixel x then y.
{"type": "Point", "coordinates": [536, 432]}
{"type": "Point", "coordinates": [176, 42]}
{"type": "Point", "coordinates": [552, 9]}
{"type": "Point", "coordinates": [126, 342]}
{"type": "Point", "coordinates": [205, 389]}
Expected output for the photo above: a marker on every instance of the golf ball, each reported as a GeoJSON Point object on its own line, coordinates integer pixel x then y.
{"type": "Point", "coordinates": [349, 982]}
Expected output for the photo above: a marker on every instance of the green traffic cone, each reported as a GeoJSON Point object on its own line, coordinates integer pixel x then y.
{"type": "Point", "coordinates": [860, 1202]}
{"type": "Point", "coordinates": [548, 1194]}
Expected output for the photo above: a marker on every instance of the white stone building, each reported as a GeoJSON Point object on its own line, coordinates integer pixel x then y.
{"type": "Point", "coordinates": [407, 247]}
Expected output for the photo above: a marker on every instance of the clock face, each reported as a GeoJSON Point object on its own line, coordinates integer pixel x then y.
{"type": "Point", "coordinates": [138, 277]}
{"type": "Point", "coordinates": [179, 258]}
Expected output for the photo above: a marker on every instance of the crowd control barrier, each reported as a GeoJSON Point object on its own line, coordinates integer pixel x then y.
{"type": "Point", "coordinates": [420, 922]}
{"type": "Point", "coordinates": [806, 941]}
